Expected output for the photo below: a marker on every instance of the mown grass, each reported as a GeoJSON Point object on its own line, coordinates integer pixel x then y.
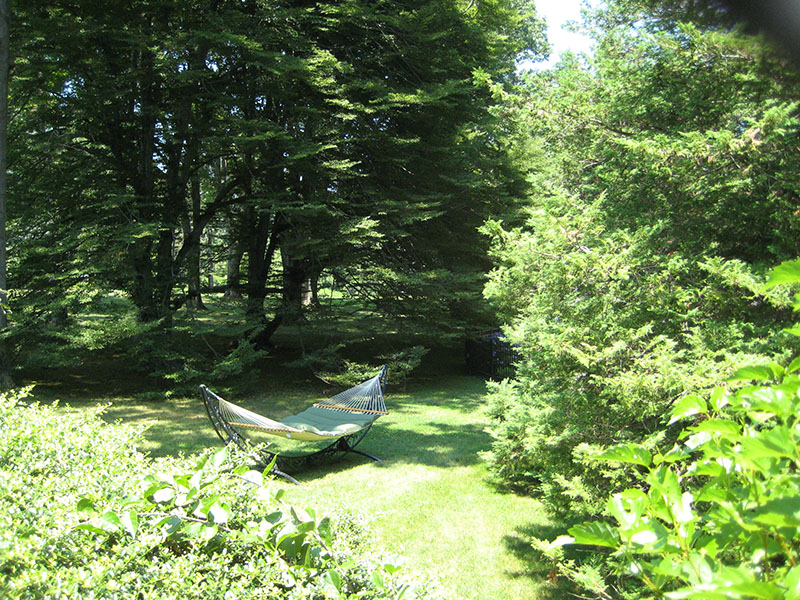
{"type": "Point", "coordinates": [430, 501]}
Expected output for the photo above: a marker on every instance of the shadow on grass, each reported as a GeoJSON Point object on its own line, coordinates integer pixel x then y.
{"type": "Point", "coordinates": [431, 420]}
{"type": "Point", "coordinates": [447, 447]}
{"type": "Point", "coordinates": [538, 568]}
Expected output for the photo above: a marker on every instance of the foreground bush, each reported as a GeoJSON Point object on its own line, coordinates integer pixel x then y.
{"type": "Point", "coordinates": [84, 515]}
{"type": "Point", "coordinates": [715, 517]}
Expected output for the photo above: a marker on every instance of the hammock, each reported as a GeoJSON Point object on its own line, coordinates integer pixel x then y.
{"type": "Point", "coordinates": [344, 419]}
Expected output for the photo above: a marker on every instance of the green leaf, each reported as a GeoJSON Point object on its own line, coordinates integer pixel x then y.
{"type": "Point", "coordinates": [595, 533]}
{"type": "Point", "coordinates": [669, 567]}
{"type": "Point", "coordinates": [794, 365]}
{"type": "Point", "coordinates": [391, 568]}
{"type": "Point", "coordinates": [792, 583]}
{"type": "Point", "coordinates": [713, 591]}
{"type": "Point", "coordinates": [201, 462]}
{"type": "Point", "coordinates": [218, 513]}
{"type": "Point", "coordinates": [130, 523]}
{"type": "Point", "coordinates": [772, 443]}
{"type": "Point", "coordinates": [777, 400]}
{"type": "Point", "coordinates": [173, 524]}
{"type": "Point", "coordinates": [111, 521]}
{"type": "Point", "coordinates": [785, 273]}
{"type": "Point", "coordinates": [192, 529]}
{"type": "Point", "coordinates": [757, 373]}
{"type": "Point", "coordinates": [627, 453]}
{"type": "Point", "coordinates": [777, 370]}
{"type": "Point", "coordinates": [793, 330]}
{"type": "Point", "coordinates": [665, 481]}
{"type": "Point", "coordinates": [651, 535]}
{"type": "Point", "coordinates": [719, 398]}
{"type": "Point", "coordinates": [628, 507]}
{"type": "Point", "coordinates": [675, 454]}
{"type": "Point", "coordinates": [688, 406]}
{"type": "Point", "coordinates": [163, 495]}
{"type": "Point", "coordinates": [779, 512]}
{"type": "Point", "coordinates": [723, 426]}
{"type": "Point", "coordinates": [334, 579]}
{"type": "Point", "coordinates": [378, 580]}
{"type": "Point", "coordinates": [92, 528]}
{"type": "Point", "coordinates": [325, 530]}
{"type": "Point", "coordinates": [208, 532]}
{"type": "Point", "coordinates": [218, 458]}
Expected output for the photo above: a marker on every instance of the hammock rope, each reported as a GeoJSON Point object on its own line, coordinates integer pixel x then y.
{"type": "Point", "coordinates": [241, 417]}
{"type": "Point", "coordinates": [366, 397]}
{"type": "Point", "coordinates": [342, 420]}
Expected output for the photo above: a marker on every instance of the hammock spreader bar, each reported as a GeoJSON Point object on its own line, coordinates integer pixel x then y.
{"type": "Point", "coordinates": [344, 419]}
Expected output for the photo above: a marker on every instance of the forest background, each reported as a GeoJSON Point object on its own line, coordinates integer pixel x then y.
{"type": "Point", "coordinates": [320, 161]}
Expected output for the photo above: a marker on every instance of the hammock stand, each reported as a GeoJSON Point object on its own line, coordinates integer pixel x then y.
{"type": "Point", "coordinates": [344, 419]}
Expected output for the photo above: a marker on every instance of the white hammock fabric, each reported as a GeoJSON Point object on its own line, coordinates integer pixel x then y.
{"type": "Point", "coordinates": [343, 414]}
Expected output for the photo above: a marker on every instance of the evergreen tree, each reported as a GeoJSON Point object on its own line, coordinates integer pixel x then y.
{"type": "Point", "coordinates": [672, 189]}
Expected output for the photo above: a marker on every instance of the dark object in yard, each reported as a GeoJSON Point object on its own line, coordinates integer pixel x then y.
{"type": "Point", "coordinates": [489, 355]}
{"type": "Point", "coordinates": [344, 418]}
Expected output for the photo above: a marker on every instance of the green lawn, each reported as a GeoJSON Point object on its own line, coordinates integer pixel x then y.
{"type": "Point", "coordinates": [429, 501]}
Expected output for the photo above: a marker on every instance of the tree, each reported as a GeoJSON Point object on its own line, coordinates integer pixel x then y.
{"type": "Point", "coordinates": [672, 189]}
{"type": "Point", "coordinates": [350, 138]}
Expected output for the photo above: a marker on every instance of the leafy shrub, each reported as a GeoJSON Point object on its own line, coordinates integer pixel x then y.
{"type": "Point", "coordinates": [718, 514]}
{"type": "Point", "coordinates": [85, 515]}
{"type": "Point", "coordinates": [331, 367]}
{"type": "Point", "coordinates": [660, 200]}
{"type": "Point", "coordinates": [611, 328]}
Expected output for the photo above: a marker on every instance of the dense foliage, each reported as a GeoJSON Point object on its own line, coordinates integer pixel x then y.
{"type": "Point", "coordinates": [718, 514]}
{"type": "Point", "coordinates": [669, 186]}
{"type": "Point", "coordinates": [272, 146]}
{"type": "Point", "coordinates": [83, 514]}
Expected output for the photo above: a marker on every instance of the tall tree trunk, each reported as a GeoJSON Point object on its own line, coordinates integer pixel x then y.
{"type": "Point", "coordinates": [194, 301]}
{"type": "Point", "coordinates": [5, 366]}
{"type": "Point", "coordinates": [263, 243]}
{"type": "Point", "coordinates": [210, 265]}
{"type": "Point", "coordinates": [233, 280]}
{"type": "Point", "coordinates": [313, 288]}
{"type": "Point", "coordinates": [306, 293]}
{"type": "Point", "coordinates": [142, 287]}
{"type": "Point", "coordinates": [295, 290]}
{"type": "Point", "coordinates": [143, 292]}
{"type": "Point", "coordinates": [260, 249]}
{"type": "Point", "coordinates": [296, 285]}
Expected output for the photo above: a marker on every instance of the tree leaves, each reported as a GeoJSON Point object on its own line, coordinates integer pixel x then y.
{"type": "Point", "coordinates": [627, 453]}
{"type": "Point", "coordinates": [595, 534]}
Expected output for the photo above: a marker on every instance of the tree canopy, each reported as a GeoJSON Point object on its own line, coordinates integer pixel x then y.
{"type": "Point", "coordinates": [351, 140]}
